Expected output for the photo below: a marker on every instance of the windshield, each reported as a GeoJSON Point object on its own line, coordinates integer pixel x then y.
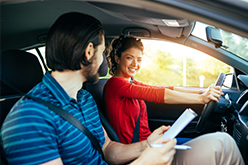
{"type": "Point", "coordinates": [232, 42]}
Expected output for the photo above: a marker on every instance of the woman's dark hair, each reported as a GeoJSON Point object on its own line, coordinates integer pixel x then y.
{"type": "Point", "coordinates": [68, 38]}
{"type": "Point", "coordinates": [120, 45]}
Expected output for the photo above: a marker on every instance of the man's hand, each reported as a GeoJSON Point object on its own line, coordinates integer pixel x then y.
{"type": "Point", "coordinates": [156, 134]}
{"type": "Point", "coordinates": [157, 156]}
{"type": "Point", "coordinates": [117, 153]}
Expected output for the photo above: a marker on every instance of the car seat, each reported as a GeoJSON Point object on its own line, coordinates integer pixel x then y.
{"type": "Point", "coordinates": [20, 72]}
{"type": "Point", "coordinates": [96, 90]}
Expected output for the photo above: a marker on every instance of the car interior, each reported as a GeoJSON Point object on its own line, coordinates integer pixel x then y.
{"type": "Point", "coordinates": [24, 25]}
{"type": "Point", "coordinates": [17, 78]}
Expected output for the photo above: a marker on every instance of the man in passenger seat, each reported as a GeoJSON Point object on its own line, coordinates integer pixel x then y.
{"type": "Point", "coordinates": [33, 134]}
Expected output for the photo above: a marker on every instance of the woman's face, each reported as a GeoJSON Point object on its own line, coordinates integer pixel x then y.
{"type": "Point", "coordinates": [129, 63]}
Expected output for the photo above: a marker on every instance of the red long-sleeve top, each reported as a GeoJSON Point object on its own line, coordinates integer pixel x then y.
{"type": "Point", "coordinates": [122, 107]}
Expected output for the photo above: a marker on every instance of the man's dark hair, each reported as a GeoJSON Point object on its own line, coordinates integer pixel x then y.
{"type": "Point", "coordinates": [68, 38]}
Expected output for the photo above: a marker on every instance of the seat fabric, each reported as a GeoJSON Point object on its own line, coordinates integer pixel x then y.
{"type": "Point", "coordinates": [19, 69]}
{"type": "Point", "coordinates": [20, 72]}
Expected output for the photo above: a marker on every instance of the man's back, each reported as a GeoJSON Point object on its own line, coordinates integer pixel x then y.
{"type": "Point", "coordinates": [33, 134]}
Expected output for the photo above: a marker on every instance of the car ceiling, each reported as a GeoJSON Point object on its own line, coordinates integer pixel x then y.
{"type": "Point", "coordinates": [26, 22]}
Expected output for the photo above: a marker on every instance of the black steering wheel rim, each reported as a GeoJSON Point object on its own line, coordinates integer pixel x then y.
{"type": "Point", "coordinates": [209, 107]}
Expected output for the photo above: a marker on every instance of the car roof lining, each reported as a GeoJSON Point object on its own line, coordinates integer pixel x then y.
{"type": "Point", "coordinates": [31, 28]}
{"type": "Point", "coordinates": [48, 11]}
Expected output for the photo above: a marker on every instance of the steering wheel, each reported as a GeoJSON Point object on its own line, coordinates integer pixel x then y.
{"type": "Point", "coordinates": [209, 107]}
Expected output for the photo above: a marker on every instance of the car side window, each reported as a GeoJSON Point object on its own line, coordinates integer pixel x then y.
{"type": "Point", "coordinates": [167, 63]}
{"type": "Point", "coordinates": [42, 52]}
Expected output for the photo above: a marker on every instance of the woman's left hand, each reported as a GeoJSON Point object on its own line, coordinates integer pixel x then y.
{"type": "Point", "coordinates": [212, 93]}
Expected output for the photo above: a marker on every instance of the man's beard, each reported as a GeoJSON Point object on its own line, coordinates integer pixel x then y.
{"type": "Point", "coordinates": [92, 78]}
{"type": "Point", "coordinates": [91, 72]}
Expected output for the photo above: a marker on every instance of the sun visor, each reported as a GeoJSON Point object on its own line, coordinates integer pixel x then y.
{"type": "Point", "coordinates": [173, 32]}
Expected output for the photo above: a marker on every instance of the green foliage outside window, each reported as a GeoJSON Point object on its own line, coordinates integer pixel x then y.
{"type": "Point", "coordinates": [163, 67]}
{"type": "Point", "coordinates": [235, 44]}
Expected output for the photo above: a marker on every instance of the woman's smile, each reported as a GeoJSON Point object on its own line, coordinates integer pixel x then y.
{"type": "Point", "coordinates": [129, 63]}
{"type": "Point", "coordinates": [132, 70]}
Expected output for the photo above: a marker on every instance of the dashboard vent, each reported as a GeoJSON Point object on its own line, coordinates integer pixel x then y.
{"type": "Point", "coordinates": [237, 136]}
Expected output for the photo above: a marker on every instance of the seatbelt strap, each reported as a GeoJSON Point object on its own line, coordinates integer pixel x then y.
{"type": "Point", "coordinates": [137, 124]}
{"type": "Point", "coordinates": [71, 119]}
{"type": "Point", "coordinates": [137, 128]}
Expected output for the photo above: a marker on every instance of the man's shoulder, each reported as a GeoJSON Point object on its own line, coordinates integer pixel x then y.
{"type": "Point", "coordinates": [29, 108]}
{"type": "Point", "coordinates": [27, 113]}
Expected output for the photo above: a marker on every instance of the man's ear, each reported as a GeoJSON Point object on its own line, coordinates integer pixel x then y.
{"type": "Point", "coordinates": [89, 51]}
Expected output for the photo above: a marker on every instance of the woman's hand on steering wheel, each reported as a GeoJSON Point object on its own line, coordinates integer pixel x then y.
{"type": "Point", "coordinates": [211, 93]}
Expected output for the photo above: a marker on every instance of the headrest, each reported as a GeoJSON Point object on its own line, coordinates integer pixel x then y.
{"type": "Point", "coordinates": [103, 69]}
{"type": "Point", "coordinates": [19, 69]}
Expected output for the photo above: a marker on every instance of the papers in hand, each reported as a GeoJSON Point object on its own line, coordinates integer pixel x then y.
{"type": "Point", "coordinates": [186, 117]}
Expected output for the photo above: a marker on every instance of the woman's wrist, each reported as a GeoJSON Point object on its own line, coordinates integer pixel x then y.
{"type": "Point", "coordinates": [201, 91]}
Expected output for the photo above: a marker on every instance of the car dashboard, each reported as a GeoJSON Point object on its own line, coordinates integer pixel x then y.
{"type": "Point", "coordinates": [240, 127]}
{"type": "Point", "coordinates": [237, 110]}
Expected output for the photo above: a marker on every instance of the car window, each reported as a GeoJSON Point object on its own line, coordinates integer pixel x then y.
{"type": "Point", "coordinates": [167, 63]}
{"type": "Point", "coordinates": [42, 51]}
{"type": "Point", "coordinates": [232, 42]}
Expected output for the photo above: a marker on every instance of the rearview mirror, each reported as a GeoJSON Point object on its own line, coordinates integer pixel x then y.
{"type": "Point", "coordinates": [214, 36]}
